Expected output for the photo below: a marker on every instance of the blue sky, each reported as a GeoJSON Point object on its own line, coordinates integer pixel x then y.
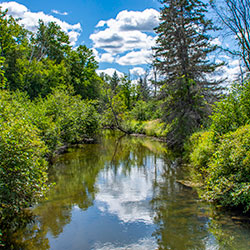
{"type": "Point", "coordinates": [124, 34]}
{"type": "Point", "coordinates": [120, 33]}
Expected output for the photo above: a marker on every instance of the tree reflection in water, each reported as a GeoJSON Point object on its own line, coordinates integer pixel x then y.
{"type": "Point", "coordinates": [184, 222]}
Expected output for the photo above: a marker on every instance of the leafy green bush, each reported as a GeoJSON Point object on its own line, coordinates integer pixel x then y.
{"type": "Point", "coordinates": [29, 131]}
{"type": "Point", "coordinates": [200, 148]}
{"type": "Point", "coordinates": [233, 111]}
{"type": "Point", "coordinates": [144, 111]}
{"type": "Point", "coordinates": [156, 128]}
{"type": "Point", "coordinates": [220, 157]}
{"type": "Point", "coordinates": [49, 131]}
{"type": "Point", "coordinates": [22, 167]}
{"type": "Point", "coordinates": [134, 126]}
{"type": "Point", "coordinates": [228, 181]}
{"type": "Point", "coordinates": [38, 78]}
{"type": "Point", "coordinates": [74, 118]}
{"type": "Point", "coordinates": [141, 111]}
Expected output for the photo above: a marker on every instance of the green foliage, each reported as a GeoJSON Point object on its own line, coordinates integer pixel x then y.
{"type": "Point", "coordinates": [63, 117]}
{"type": "Point", "coordinates": [115, 110]}
{"type": "Point", "coordinates": [2, 77]}
{"type": "Point", "coordinates": [13, 46]}
{"type": "Point", "coordinates": [200, 148]}
{"type": "Point", "coordinates": [142, 89]}
{"type": "Point", "coordinates": [83, 78]}
{"type": "Point", "coordinates": [150, 128]}
{"type": "Point", "coordinates": [127, 91]}
{"type": "Point", "coordinates": [50, 41]}
{"type": "Point", "coordinates": [156, 128]}
{"type": "Point", "coordinates": [117, 101]}
{"type": "Point", "coordinates": [233, 111]}
{"type": "Point", "coordinates": [30, 131]}
{"type": "Point", "coordinates": [40, 77]}
{"type": "Point", "coordinates": [37, 62]}
{"type": "Point", "coordinates": [181, 57]}
{"type": "Point", "coordinates": [220, 157]}
{"type": "Point", "coordinates": [184, 109]}
{"type": "Point", "coordinates": [77, 119]}
{"type": "Point", "coordinates": [143, 111]}
{"type": "Point", "coordinates": [114, 82]}
{"type": "Point", "coordinates": [229, 170]}
{"type": "Point", "coordinates": [22, 167]}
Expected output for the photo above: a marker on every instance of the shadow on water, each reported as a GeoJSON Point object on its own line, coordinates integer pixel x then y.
{"type": "Point", "coordinates": [122, 194]}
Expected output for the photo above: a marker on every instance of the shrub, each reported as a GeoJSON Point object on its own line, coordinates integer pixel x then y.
{"type": "Point", "coordinates": [74, 118]}
{"type": "Point", "coordinates": [228, 181]}
{"type": "Point", "coordinates": [200, 148]}
{"type": "Point", "coordinates": [233, 111]}
{"type": "Point", "coordinates": [141, 111]}
{"type": "Point", "coordinates": [134, 126]}
{"type": "Point", "coordinates": [22, 166]}
{"type": "Point", "coordinates": [156, 128]}
{"type": "Point", "coordinates": [144, 111]}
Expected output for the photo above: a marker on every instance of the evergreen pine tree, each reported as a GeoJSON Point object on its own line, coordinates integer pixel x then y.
{"type": "Point", "coordinates": [114, 81]}
{"type": "Point", "coordinates": [143, 89]}
{"type": "Point", "coordinates": [181, 57]}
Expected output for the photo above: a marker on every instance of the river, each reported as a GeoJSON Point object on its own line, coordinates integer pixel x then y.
{"type": "Point", "coordinates": [121, 193]}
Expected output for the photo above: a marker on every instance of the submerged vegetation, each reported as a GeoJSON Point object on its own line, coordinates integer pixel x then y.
{"type": "Point", "coordinates": [51, 97]}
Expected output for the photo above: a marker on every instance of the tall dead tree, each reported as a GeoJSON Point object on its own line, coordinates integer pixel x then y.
{"type": "Point", "coordinates": [235, 15]}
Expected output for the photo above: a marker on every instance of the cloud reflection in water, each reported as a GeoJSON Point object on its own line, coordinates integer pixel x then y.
{"type": "Point", "coordinates": [128, 196]}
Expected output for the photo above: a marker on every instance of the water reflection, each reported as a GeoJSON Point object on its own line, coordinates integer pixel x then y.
{"type": "Point", "coordinates": [181, 218]}
{"type": "Point", "coordinates": [184, 222]}
{"type": "Point", "coordinates": [122, 194]}
{"type": "Point", "coordinates": [127, 195]}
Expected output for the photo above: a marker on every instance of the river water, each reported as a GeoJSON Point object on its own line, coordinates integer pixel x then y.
{"type": "Point", "coordinates": [122, 194]}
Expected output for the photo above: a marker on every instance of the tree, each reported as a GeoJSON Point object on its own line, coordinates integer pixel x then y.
{"type": "Point", "coordinates": [235, 15]}
{"type": "Point", "coordinates": [181, 57]}
{"type": "Point", "coordinates": [50, 41]}
{"type": "Point", "coordinates": [114, 81]}
{"type": "Point", "coordinates": [143, 91]}
{"type": "Point", "coordinates": [82, 67]}
{"type": "Point", "coordinates": [13, 46]}
{"type": "Point", "coordinates": [128, 91]}
{"type": "Point", "coordinates": [38, 78]}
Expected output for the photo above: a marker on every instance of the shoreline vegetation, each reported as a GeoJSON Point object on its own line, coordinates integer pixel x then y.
{"type": "Point", "coordinates": [51, 97]}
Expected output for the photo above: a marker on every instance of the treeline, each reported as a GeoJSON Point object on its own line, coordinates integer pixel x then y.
{"type": "Point", "coordinates": [37, 62]}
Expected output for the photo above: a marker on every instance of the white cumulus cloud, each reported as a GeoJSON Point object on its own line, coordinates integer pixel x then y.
{"type": "Point", "coordinates": [146, 20]}
{"type": "Point", "coordinates": [107, 57]}
{"type": "Point", "coordinates": [110, 72]}
{"type": "Point", "coordinates": [135, 58]}
{"type": "Point", "coordinates": [137, 71]}
{"type": "Point", "coordinates": [130, 33]}
{"type": "Point", "coordinates": [59, 12]}
{"type": "Point", "coordinates": [216, 41]}
{"type": "Point", "coordinates": [30, 19]}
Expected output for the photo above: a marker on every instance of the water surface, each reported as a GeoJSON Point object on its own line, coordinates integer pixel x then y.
{"type": "Point", "coordinates": [122, 194]}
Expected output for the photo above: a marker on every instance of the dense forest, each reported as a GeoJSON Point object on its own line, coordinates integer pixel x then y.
{"type": "Point", "coordinates": [52, 97]}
